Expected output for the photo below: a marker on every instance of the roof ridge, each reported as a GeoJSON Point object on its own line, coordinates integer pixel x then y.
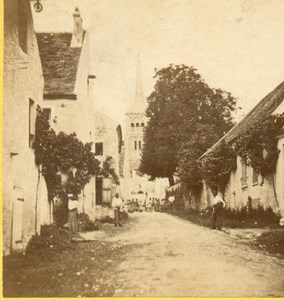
{"type": "Point", "coordinates": [259, 112]}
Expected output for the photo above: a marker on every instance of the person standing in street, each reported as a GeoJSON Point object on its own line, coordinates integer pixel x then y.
{"type": "Point", "coordinates": [73, 216]}
{"type": "Point", "coordinates": [117, 205]}
{"type": "Point", "coordinates": [171, 201]}
{"type": "Point", "coordinates": [218, 207]}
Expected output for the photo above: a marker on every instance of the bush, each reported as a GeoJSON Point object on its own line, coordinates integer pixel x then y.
{"type": "Point", "coordinates": [52, 238]}
{"type": "Point", "coordinates": [243, 218]}
{"type": "Point", "coordinates": [272, 241]}
{"type": "Point", "coordinates": [85, 224]}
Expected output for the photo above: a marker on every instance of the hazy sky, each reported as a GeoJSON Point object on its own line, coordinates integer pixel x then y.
{"type": "Point", "coordinates": [237, 45]}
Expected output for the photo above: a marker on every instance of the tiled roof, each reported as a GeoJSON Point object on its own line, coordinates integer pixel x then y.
{"type": "Point", "coordinates": [261, 111]}
{"type": "Point", "coordinates": [59, 64]}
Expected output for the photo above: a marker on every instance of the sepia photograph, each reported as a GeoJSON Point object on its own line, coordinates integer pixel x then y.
{"type": "Point", "coordinates": [143, 148]}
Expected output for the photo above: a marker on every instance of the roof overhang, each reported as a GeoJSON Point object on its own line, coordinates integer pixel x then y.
{"type": "Point", "coordinates": [59, 96]}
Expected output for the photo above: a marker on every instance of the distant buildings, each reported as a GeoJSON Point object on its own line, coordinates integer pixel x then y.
{"type": "Point", "coordinates": [108, 147]}
{"type": "Point", "coordinates": [135, 121]}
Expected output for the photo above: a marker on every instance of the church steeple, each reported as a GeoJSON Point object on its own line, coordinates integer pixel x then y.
{"type": "Point", "coordinates": [139, 103]}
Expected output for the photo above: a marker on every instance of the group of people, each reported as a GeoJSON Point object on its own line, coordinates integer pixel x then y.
{"type": "Point", "coordinates": [149, 204]}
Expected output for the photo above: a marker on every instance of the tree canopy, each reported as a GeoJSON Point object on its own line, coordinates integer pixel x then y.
{"type": "Point", "coordinates": [186, 117]}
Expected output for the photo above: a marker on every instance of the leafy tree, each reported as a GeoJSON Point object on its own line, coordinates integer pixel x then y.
{"type": "Point", "coordinates": [180, 104]}
{"type": "Point", "coordinates": [63, 153]}
{"type": "Point", "coordinates": [189, 167]}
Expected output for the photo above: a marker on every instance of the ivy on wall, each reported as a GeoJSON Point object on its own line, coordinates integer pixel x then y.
{"type": "Point", "coordinates": [109, 170]}
{"type": "Point", "coordinates": [217, 166]}
{"type": "Point", "coordinates": [63, 153]}
{"type": "Point", "coordinates": [258, 145]}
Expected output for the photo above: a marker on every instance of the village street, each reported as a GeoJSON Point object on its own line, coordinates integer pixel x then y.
{"type": "Point", "coordinates": [173, 257]}
{"type": "Point", "coordinates": [153, 254]}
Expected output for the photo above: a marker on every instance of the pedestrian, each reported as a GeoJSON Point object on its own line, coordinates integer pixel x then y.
{"type": "Point", "coordinates": [117, 205]}
{"type": "Point", "coordinates": [171, 201]}
{"type": "Point", "coordinates": [73, 216]}
{"type": "Point", "coordinates": [148, 204]}
{"type": "Point", "coordinates": [218, 207]}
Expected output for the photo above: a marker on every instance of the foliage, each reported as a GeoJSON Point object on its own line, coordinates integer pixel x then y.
{"type": "Point", "coordinates": [189, 167]}
{"type": "Point", "coordinates": [85, 224]}
{"type": "Point", "coordinates": [63, 153]}
{"type": "Point", "coordinates": [271, 241]}
{"type": "Point", "coordinates": [217, 166]}
{"type": "Point", "coordinates": [182, 101]}
{"type": "Point", "coordinates": [231, 218]}
{"type": "Point", "coordinates": [109, 170]}
{"type": "Point", "coordinates": [258, 145]}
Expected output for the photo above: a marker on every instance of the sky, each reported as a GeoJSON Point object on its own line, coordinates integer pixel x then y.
{"type": "Point", "coordinates": [236, 45]}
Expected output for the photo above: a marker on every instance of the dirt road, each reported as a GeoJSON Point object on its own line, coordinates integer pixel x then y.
{"type": "Point", "coordinates": [173, 257]}
{"type": "Point", "coordinates": [154, 254]}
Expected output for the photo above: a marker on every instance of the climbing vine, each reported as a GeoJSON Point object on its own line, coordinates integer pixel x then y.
{"type": "Point", "coordinates": [109, 170]}
{"type": "Point", "coordinates": [258, 145]}
{"type": "Point", "coordinates": [217, 166]}
{"type": "Point", "coordinates": [63, 154]}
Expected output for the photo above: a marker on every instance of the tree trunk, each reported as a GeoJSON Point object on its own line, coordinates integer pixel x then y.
{"type": "Point", "coordinates": [171, 180]}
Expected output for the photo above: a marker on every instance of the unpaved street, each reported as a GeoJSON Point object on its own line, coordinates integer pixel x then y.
{"type": "Point", "coordinates": [153, 254]}
{"type": "Point", "coordinates": [173, 257]}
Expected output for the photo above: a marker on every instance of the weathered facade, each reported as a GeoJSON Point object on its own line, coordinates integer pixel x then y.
{"type": "Point", "coordinates": [108, 137]}
{"type": "Point", "coordinates": [245, 184]}
{"type": "Point", "coordinates": [25, 205]}
{"type": "Point", "coordinates": [67, 100]}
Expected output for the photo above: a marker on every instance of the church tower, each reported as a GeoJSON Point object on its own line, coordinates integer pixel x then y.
{"type": "Point", "coordinates": [135, 122]}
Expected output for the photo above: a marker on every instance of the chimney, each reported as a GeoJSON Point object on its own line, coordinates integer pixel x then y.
{"type": "Point", "coordinates": [77, 37]}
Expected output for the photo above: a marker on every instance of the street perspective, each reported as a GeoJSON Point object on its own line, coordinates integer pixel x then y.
{"type": "Point", "coordinates": [143, 148]}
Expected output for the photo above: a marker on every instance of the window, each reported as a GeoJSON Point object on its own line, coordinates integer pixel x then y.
{"type": "Point", "coordinates": [244, 173]}
{"type": "Point", "coordinates": [31, 123]}
{"type": "Point", "coordinates": [140, 145]}
{"type": "Point", "coordinates": [22, 26]}
{"type": "Point", "coordinates": [254, 177]}
{"type": "Point", "coordinates": [135, 145]}
{"type": "Point", "coordinates": [132, 126]}
{"type": "Point", "coordinates": [142, 124]}
{"type": "Point", "coordinates": [137, 124]}
{"type": "Point", "coordinates": [99, 149]}
{"type": "Point", "coordinates": [47, 112]}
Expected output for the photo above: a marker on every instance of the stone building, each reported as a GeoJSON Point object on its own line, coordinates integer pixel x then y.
{"type": "Point", "coordinates": [67, 97]}
{"type": "Point", "coordinates": [25, 205]}
{"type": "Point", "coordinates": [245, 184]}
{"type": "Point", "coordinates": [135, 121]}
{"type": "Point", "coordinates": [108, 144]}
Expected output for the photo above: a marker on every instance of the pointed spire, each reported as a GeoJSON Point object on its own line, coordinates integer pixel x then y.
{"type": "Point", "coordinates": [139, 103]}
